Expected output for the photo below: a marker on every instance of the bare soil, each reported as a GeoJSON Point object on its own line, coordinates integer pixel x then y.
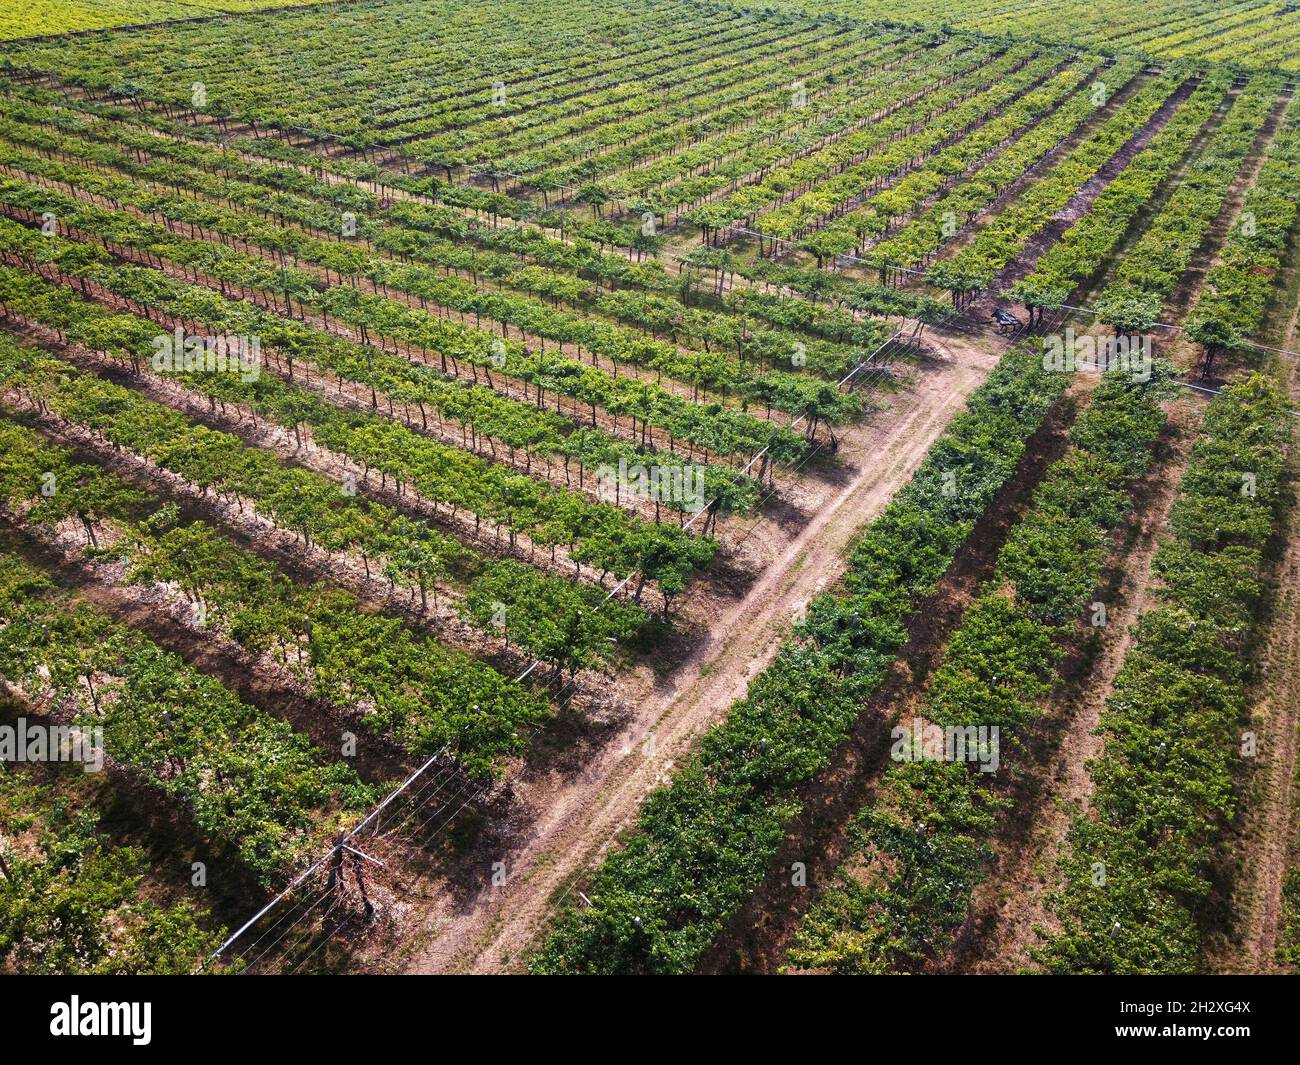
{"type": "Point", "coordinates": [568, 816]}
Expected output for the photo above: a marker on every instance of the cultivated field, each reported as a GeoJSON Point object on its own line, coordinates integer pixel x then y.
{"type": "Point", "coordinates": [650, 486]}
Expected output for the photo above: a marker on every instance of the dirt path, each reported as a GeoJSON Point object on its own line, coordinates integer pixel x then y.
{"type": "Point", "coordinates": [575, 820]}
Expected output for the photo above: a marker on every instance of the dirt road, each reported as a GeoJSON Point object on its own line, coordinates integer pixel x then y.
{"type": "Point", "coordinates": [488, 929]}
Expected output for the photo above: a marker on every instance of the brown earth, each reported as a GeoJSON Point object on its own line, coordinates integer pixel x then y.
{"type": "Point", "coordinates": [568, 819]}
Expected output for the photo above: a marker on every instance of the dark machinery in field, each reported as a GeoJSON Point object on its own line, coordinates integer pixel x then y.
{"type": "Point", "coordinates": [1006, 320]}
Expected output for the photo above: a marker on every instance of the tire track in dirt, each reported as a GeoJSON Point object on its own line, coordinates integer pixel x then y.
{"type": "Point", "coordinates": [756, 938]}
{"type": "Point", "coordinates": [571, 822]}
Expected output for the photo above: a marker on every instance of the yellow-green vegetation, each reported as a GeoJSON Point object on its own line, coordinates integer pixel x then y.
{"type": "Point", "coordinates": [41, 18]}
